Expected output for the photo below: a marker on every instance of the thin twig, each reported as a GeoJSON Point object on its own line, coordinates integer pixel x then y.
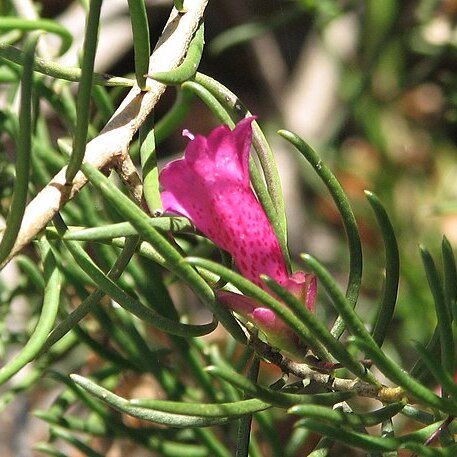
{"type": "Point", "coordinates": [305, 371]}
{"type": "Point", "coordinates": [110, 145]}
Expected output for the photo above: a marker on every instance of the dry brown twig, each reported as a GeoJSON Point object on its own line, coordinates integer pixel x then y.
{"type": "Point", "coordinates": [110, 147]}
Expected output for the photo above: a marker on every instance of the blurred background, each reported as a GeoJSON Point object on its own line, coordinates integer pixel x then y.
{"type": "Point", "coordinates": [370, 84]}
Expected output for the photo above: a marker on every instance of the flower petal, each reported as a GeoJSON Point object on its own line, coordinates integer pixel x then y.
{"type": "Point", "coordinates": [171, 205]}
{"type": "Point", "coordinates": [304, 287]}
{"type": "Point", "coordinates": [211, 186]}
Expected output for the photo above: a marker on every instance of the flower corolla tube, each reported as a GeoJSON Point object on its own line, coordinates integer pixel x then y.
{"type": "Point", "coordinates": [211, 186]}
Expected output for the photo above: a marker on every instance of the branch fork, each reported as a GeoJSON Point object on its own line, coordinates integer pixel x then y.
{"type": "Point", "coordinates": [104, 151]}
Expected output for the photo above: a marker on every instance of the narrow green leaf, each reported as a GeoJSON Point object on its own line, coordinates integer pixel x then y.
{"type": "Point", "coordinates": [92, 425]}
{"type": "Point", "coordinates": [118, 324]}
{"type": "Point", "coordinates": [443, 313]}
{"type": "Point", "coordinates": [268, 427]}
{"type": "Point", "coordinates": [419, 370]}
{"type": "Point", "coordinates": [338, 417]}
{"type": "Point", "coordinates": [105, 352]}
{"type": "Point", "coordinates": [208, 98]}
{"type": "Point", "coordinates": [46, 320]}
{"type": "Point", "coordinates": [215, 447]}
{"type": "Point", "coordinates": [140, 435]}
{"type": "Point", "coordinates": [174, 224]}
{"type": "Point", "coordinates": [48, 449]}
{"type": "Point", "coordinates": [339, 301]}
{"type": "Point", "coordinates": [116, 425]}
{"type": "Point", "coordinates": [36, 371]}
{"type": "Point", "coordinates": [427, 451]}
{"type": "Point", "coordinates": [450, 277]}
{"type": "Point", "coordinates": [275, 398]}
{"type": "Point", "coordinates": [159, 417]}
{"type": "Point", "coordinates": [141, 43]}
{"type": "Point", "coordinates": [243, 438]}
{"type": "Point", "coordinates": [150, 171]}
{"type": "Point", "coordinates": [84, 96]}
{"type": "Point", "coordinates": [418, 414]}
{"type": "Point", "coordinates": [24, 150]}
{"type": "Point", "coordinates": [187, 69]}
{"type": "Point", "coordinates": [75, 442]}
{"type": "Point", "coordinates": [103, 103]}
{"type": "Point", "coordinates": [295, 442]}
{"type": "Point", "coordinates": [412, 387]}
{"type": "Point", "coordinates": [229, 392]}
{"type": "Point", "coordinates": [58, 71]}
{"type": "Point", "coordinates": [323, 448]}
{"type": "Point", "coordinates": [12, 23]}
{"type": "Point", "coordinates": [368, 442]}
{"type": "Point", "coordinates": [443, 377]}
{"type": "Point", "coordinates": [7, 75]}
{"type": "Point", "coordinates": [388, 431]}
{"type": "Point", "coordinates": [347, 215]}
{"type": "Point", "coordinates": [387, 305]}
{"type": "Point", "coordinates": [31, 270]}
{"type": "Point", "coordinates": [214, 410]}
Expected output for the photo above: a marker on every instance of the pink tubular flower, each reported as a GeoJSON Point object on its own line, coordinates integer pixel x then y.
{"type": "Point", "coordinates": [211, 186]}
